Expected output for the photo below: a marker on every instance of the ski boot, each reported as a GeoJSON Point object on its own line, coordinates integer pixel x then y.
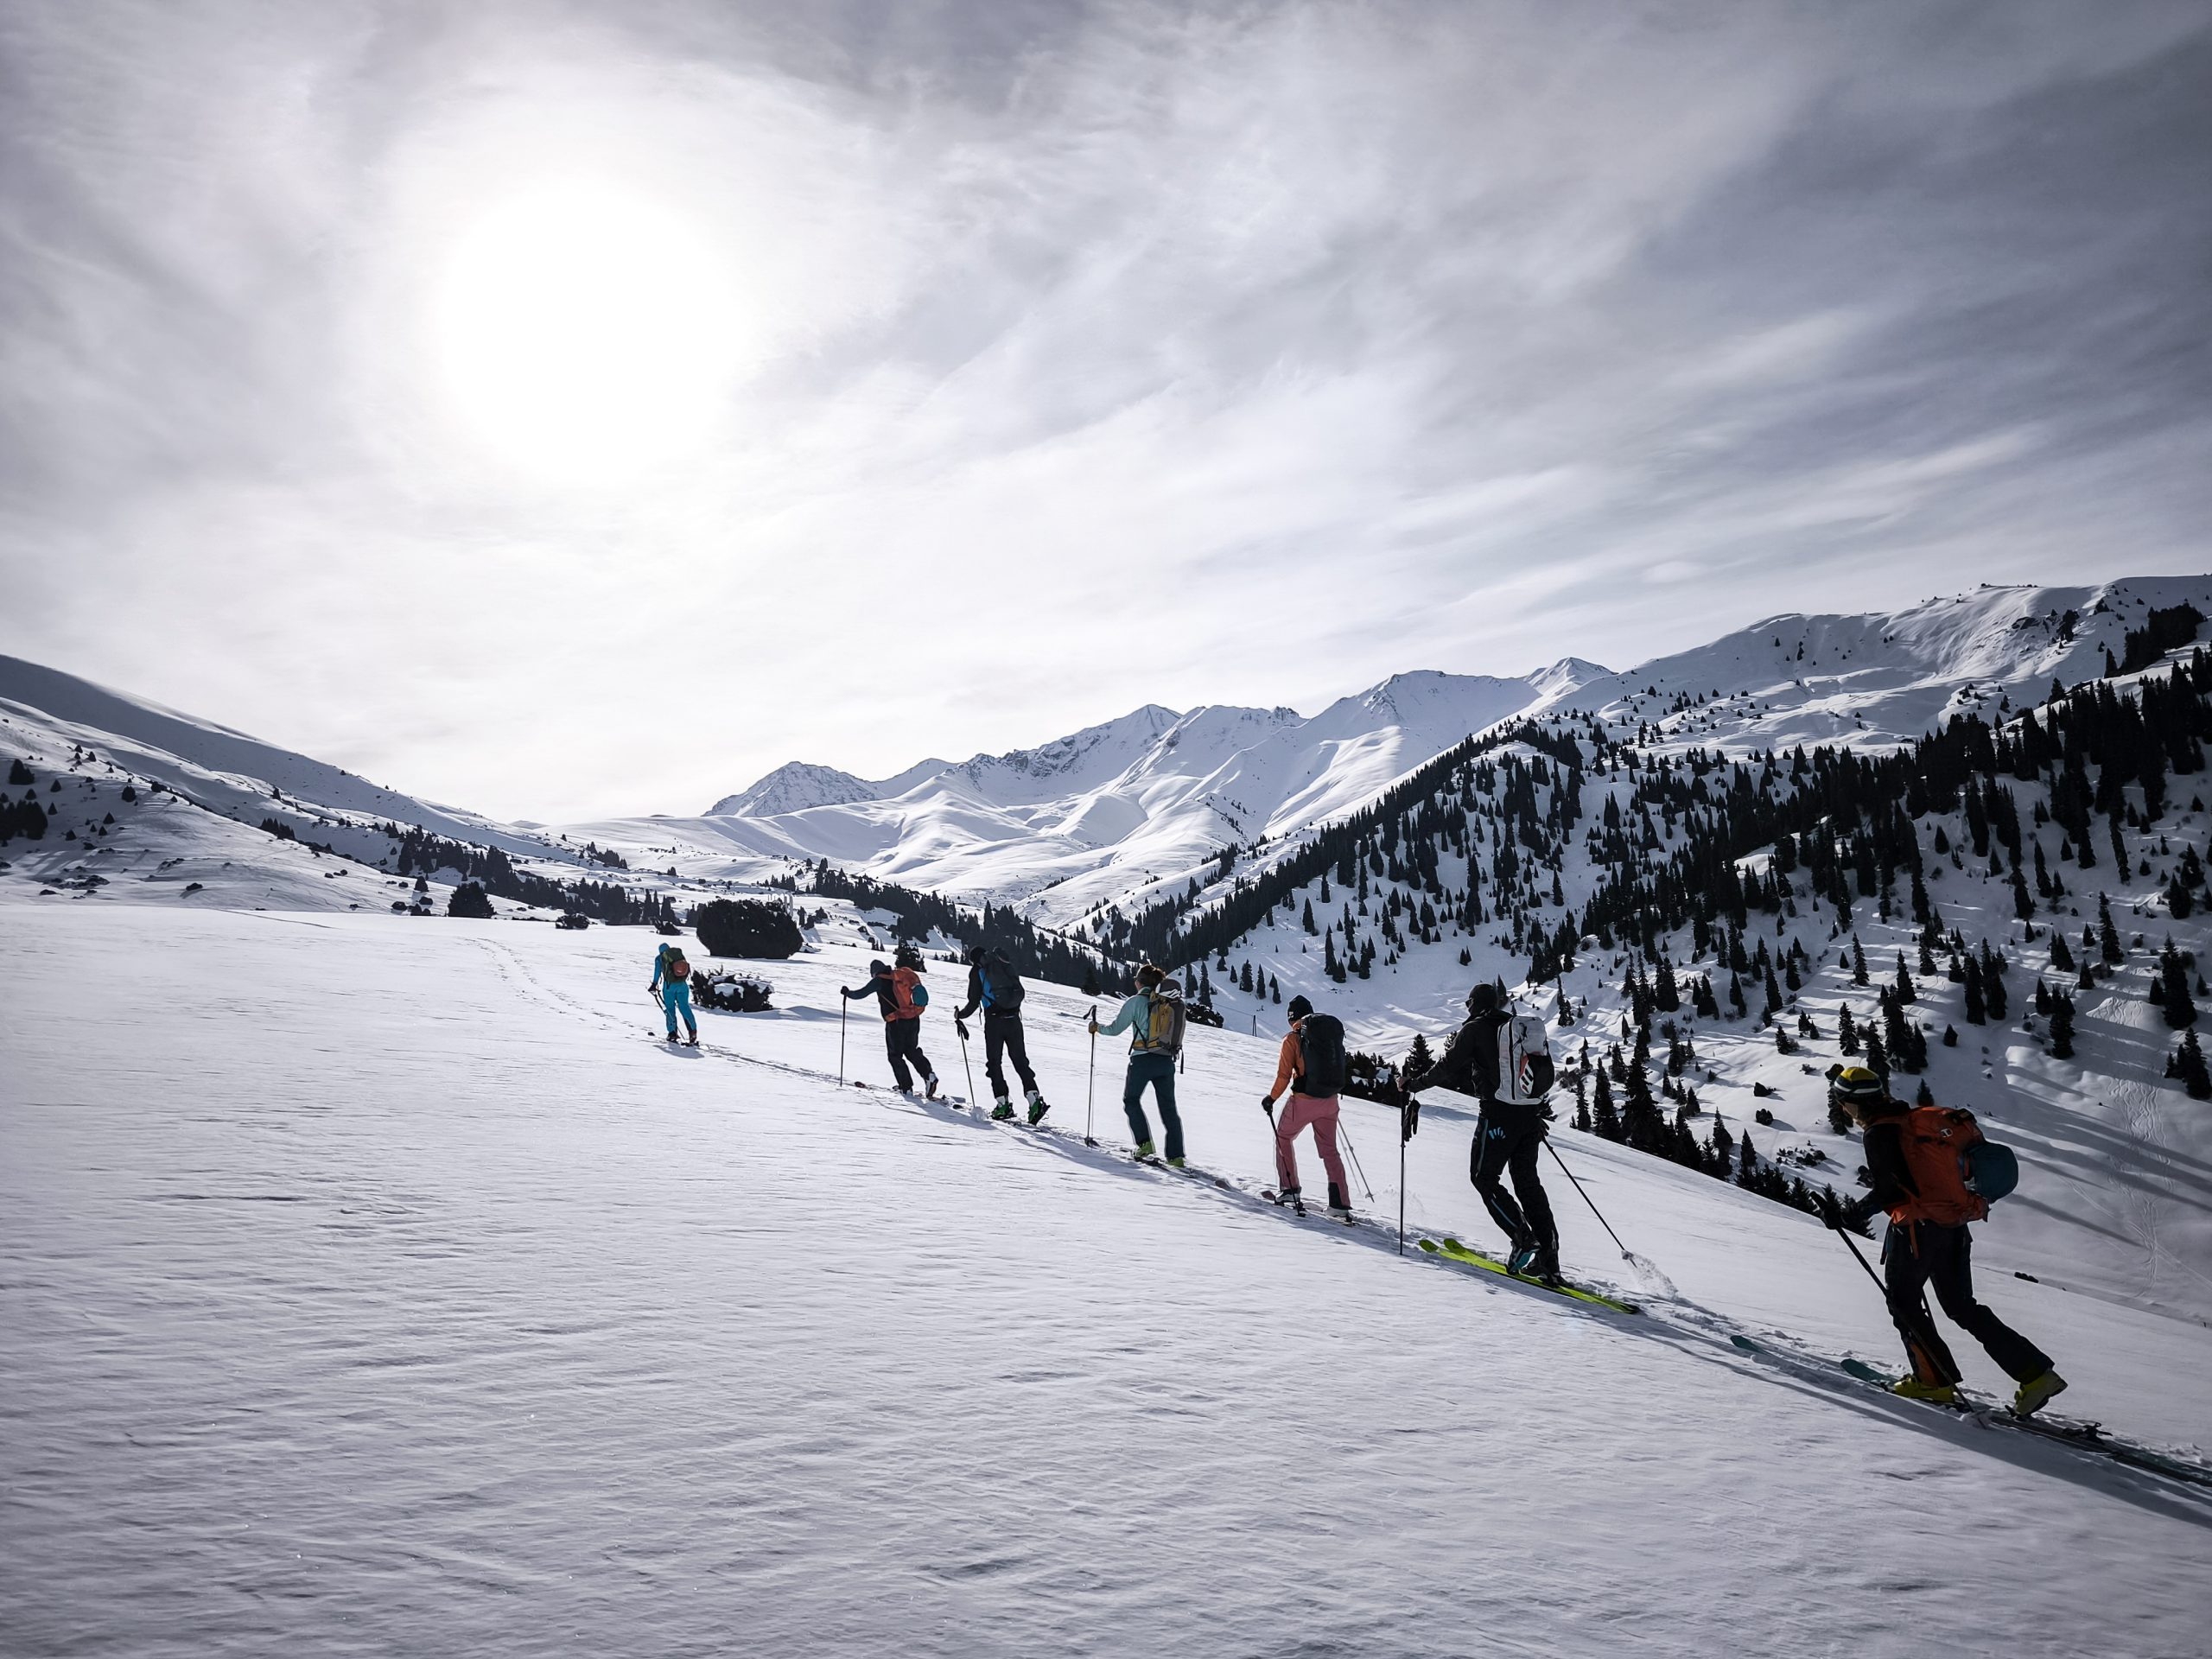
{"type": "Point", "coordinates": [692, 1041]}
{"type": "Point", "coordinates": [1290, 1195]}
{"type": "Point", "coordinates": [1933, 1394]}
{"type": "Point", "coordinates": [929, 1091]}
{"type": "Point", "coordinates": [1339, 1204]}
{"type": "Point", "coordinates": [1038, 1108]}
{"type": "Point", "coordinates": [1545, 1268]}
{"type": "Point", "coordinates": [2036, 1393]}
{"type": "Point", "coordinates": [1523, 1258]}
{"type": "Point", "coordinates": [1174, 1163]}
{"type": "Point", "coordinates": [1145, 1151]}
{"type": "Point", "coordinates": [1003, 1111]}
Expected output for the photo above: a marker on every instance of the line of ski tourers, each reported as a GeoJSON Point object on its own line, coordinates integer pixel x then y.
{"type": "Point", "coordinates": [1932, 1171]}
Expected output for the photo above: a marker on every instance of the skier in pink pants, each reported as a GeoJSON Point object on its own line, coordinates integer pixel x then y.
{"type": "Point", "coordinates": [1312, 1069]}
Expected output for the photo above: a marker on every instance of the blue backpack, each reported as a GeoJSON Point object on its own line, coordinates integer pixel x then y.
{"type": "Point", "coordinates": [1993, 1171]}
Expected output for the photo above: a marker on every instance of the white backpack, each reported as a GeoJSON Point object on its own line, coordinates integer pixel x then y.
{"type": "Point", "coordinates": [1524, 1061]}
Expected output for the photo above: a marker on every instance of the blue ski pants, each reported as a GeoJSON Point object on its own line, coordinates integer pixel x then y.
{"type": "Point", "coordinates": [675, 999]}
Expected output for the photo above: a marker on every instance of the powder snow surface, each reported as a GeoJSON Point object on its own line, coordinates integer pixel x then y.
{"type": "Point", "coordinates": [376, 1285]}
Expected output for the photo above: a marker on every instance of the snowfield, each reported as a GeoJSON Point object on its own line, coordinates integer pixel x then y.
{"type": "Point", "coordinates": [378, 1284]}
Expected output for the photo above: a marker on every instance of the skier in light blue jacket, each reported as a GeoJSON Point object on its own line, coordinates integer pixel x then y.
{"type": "Point", "coordinates": [673, 981]}
{"type": "Point", "coordinates": [1153, 1017]}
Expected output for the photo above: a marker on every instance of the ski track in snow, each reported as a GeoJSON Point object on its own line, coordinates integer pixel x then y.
{"type": "Point", "coordinates": [366, 1293]}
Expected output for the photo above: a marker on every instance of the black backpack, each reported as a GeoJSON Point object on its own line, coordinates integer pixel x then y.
{"type": "Point", "coordinates": [1321, 1042]}
{"type": "Point", "coordinates": [1005, 986]}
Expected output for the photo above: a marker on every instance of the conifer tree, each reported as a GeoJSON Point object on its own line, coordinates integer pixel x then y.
{"type": "Point", "coordinates": [2062, 1027]}
{"type": "Point", "coordinates": [1992, 983]}
{"type": "Point", "coordinates": [2062, 957]}
{"type": "Point", "coordinates": [2194, 1077]}
{"type": "Point", "coordinates": [2108, 934]}
{"type": "Point", "coordinates": [2174, 998]}
{"type": "Point", "coordinates": [1858, 962]}
{"type": "Point", "coordinates": [1977, 1010]}
{"type": "Point", "coordinates": [1605, 1120]}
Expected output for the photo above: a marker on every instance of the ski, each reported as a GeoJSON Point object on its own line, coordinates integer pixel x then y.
{"type": "Point", "coordinates": [2078, 1433]}
{"type": "Point", "coordinates": [1452, 1250]}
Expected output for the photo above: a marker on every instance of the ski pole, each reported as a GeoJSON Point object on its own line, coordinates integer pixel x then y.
{"type": "Point", "coordinates": [968, 1069]}
{"type": "Point", "coordinates": [1859, 1256]}
{"type": "Point", "coordinates": [1349, 1148]}
{"type": "Point", "coordinates": [1626, 1254]}
{"type": "Point", "coordinates": [1090, 1083]}
{"type": "Point", "coordinates": [1402, 1139]}
{"type": "Point", "coordinates": [841, 1041]}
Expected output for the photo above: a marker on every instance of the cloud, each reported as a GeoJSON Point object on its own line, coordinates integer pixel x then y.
{"type": "Point", "coordinates": [1076, 356]}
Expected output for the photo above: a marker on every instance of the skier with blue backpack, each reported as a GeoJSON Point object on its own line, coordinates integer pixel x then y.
{"type": "Point", "coordinates": [995, 987]}
{"type": "Point", "coordinates": [899, 992]}
{"type": "Point", "coordinates": [1153, 1017]}
{"type": "Point", "coordinates": [1932, 1171]}
{"type": "Point", "coordinates": [1502, 1060]}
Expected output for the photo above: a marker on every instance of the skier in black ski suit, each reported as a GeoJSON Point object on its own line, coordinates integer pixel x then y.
{"type": "Point", "coordinates": [994, 987]}
{"type": "Point", "coordinates": [1506, 1137]}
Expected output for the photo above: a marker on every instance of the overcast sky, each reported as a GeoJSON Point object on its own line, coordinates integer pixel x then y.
{"type": "Point", "coordinates": [560, 410]}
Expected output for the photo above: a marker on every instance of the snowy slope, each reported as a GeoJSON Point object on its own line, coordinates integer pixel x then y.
{"type": "Point", "coordinates": [1884, 678]}
{"type": "Point", "coordinates": [225, 771]}
{"type": "Point", "coordinates": [452, 1315]}
{"type": "Point", "coordinates": [150, 807]}
{"type": "Point", "coordinates": [1104, 816]}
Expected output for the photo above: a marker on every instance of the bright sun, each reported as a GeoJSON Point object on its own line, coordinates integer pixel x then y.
{"type": "Point", "coordinates": [587, 335]}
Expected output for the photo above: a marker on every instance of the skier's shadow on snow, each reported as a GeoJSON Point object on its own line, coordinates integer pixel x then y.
{"type": "Point", "coordinates": [2091, 1472]}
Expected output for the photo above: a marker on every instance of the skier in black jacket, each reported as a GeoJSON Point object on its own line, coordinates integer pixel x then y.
{"type": "Point", "coordinates": [994, 987]}
{"type": "Point", "coordinates": [1507, 1138]}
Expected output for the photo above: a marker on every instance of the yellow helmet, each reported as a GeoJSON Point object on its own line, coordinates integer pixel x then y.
{"type": "Point", "coordinates": [1854, 1085]}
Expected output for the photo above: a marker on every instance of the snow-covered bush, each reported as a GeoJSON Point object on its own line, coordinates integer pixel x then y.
{"type": "Point", "coordinates": [731, 993]}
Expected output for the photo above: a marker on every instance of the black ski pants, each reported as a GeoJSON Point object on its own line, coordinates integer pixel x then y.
{"type": "Point", "coordinates": [1921, 1255]}
{"type": "Point", "coordinates": [1506, 1140]}
{"type": "Point", "coordinates": [1003, 1040]}
{"type": "Point", "coordinates": [902, 1041]}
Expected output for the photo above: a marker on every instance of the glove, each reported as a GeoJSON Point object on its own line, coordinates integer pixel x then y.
{"type": "Point", "coordinates": [1409, 1119]}
{"type": "Point", "coordinates": [1268, 1103]}
{"type": "Point", "coordinates": [960, 1026]}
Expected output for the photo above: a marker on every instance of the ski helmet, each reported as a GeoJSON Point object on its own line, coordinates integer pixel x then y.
{"type": "Point", "coordinates": [1855, 1086]}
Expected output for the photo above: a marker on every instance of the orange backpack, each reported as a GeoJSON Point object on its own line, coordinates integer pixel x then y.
{"type": "Point", "coordinates": [909, 996]}
{"type": "Point", "coordinates": [1937, 1140]}
{"type": "Point", "coordinates": [678, 969]}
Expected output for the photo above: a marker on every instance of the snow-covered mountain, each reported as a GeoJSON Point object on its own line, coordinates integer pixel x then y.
{"type": "Point", "coordinates": [799, 784]}
{"type": "Point", "coordinates": [1107, 814]}
{"type": "Point", "coordinates": [226, 771]}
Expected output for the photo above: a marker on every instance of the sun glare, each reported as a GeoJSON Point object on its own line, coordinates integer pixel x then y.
{"type": "Point", "coordinates": [585, 334]}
